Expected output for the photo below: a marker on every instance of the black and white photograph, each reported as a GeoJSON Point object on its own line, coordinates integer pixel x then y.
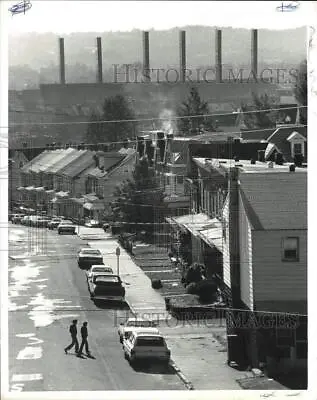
{"type": "Point", "coordinates": [157, 197]}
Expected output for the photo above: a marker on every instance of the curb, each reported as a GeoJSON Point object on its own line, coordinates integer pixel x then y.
{"type": "Point", "coordinates": [182, 377]}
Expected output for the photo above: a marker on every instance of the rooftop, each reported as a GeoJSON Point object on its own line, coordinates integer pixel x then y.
{"type": "Point", "coordinates": [245, 166]}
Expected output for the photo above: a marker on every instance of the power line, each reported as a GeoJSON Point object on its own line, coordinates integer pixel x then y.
{"type": "Point", "coordinates": [226, 309]}
{"type": "Point", "coordinates": [172, 118]}
{"type": "Point", "coordinates": [187, 138]}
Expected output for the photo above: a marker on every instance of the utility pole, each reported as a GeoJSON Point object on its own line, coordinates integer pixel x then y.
{"type": "Point", "coordinates": [118, 257]}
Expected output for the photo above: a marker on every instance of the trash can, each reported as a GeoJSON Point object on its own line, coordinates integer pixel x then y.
{"type": "Point", "coordinates": [233, 349]}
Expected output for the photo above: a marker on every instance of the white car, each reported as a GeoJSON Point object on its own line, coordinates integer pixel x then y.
{"type": "Point", "coordinates": [132, 324]}
{"type": "Point", "coordinates": [146, 346]}
{"type": "Point", "coordinates": [98, 269]}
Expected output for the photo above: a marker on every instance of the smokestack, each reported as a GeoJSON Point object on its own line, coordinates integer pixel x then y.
{"type": "Point", "coordinates": [99, 60]}
{"type": "Point", "coordinates": [62, 61]}
{"type": "Point", "coordinates": [182, 55]}
{"type": "Point", "coordinates": [254, 53]}
{"type": "Point", "coordinates": [146, 56]}
{"type": "Point", "coordinates": [218, 51]}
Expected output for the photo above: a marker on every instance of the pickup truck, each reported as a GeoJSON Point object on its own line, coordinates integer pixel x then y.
{"type": "Point", "coordinates": [106, 287]}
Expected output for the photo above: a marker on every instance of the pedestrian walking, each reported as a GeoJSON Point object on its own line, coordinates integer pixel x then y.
{"type": "Point", "coordinates": [73, 334]}
{"type": "Point", "coordinates": [84, 340]}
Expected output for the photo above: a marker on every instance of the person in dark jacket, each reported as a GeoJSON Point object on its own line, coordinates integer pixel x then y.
{"type": "Point", "coordinates": [84, 340]}
{"type": "Point", "coordinates": [73, 334]}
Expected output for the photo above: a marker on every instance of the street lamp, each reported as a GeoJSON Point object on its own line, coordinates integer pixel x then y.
{"type": "Point", "coordinates": [118, 256]}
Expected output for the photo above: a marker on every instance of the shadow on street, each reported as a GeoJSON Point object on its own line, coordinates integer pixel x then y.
{"type": "Point", "coordinates": [151, 368]}
{"type": "Point", "coordinates": [111, 305]}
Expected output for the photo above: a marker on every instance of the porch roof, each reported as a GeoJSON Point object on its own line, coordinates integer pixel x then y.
{"type": "Point", "coordinates": [94, 206]}
{"type": "Point", "coordinates": [200, 225]}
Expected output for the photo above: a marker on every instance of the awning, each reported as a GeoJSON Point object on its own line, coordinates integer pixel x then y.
{"type": "Point", "coordinates": [62, 194]}
{"type": "Point", "coordinates": [90, 197]}
{"type": "Point", "coordinates": [50, 191]}
{"type": "Point", "coordinates": [39, 189]}
{"type": "Point", "coordinates": [213, 235]}
{"type": "Point", "coordinates": [54, 200]}
{"type": "Point", "coordinates": [29, 188]}
{"type": "Point", "coordinates": [78, 200]}
{"type": "Point", "coordinates": [194, 222]}
{"type": "Point", "coordinates": [200, 225]}
{"type": "Point", "coordinates": [269, 150]}
{"type": "Point", "coordinates": [94, 206]}
{"type": "Point", "coordinates": [20, 188]}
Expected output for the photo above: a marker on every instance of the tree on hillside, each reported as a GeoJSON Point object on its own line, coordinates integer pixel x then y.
{"type": "Point", "coordinates": [264, 118]}
{"type": "Point", "coordinates": [300, 91]}
{"type": "Point", "coordinates": [115, 108]}
{"type": "Point", "coordinates": [194, 106]}
{"type": "Point", "coordinates": [137, 199]}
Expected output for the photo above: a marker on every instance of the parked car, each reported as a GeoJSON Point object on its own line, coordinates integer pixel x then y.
{"type": "Point", "coordinates": [66, 227]}
{"type": "Point", "coordinates": [17, 218]}
{"type": "Point", "coordinates": [132, 324]}
{"type": "Point", "coordinates": [106, 287]}
{"type": "Point", "coordinates": [26, 220]}
{"type": "Point", "coordinates": [42, 222]}
{"type": "Point", "coordinates": [146, 346]}
{"type": "Point", "coordinates": [88, 257]}
{"type": "Point", "coordinates": [53, 223]}
{"type": "Point", "coordinates": [98, 270]}
{"type": "Point", "coordinates": [93, 224]}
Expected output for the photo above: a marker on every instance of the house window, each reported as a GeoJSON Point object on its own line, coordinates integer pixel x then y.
{"type": "Point", "coordinates": [180, 179]}
{"type": "Point", "coordinates": [298, 148]}
{"type": "Point", "coordinates": [290, 246]}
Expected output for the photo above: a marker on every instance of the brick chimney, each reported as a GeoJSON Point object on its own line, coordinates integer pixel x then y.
{"type": "Point", "coordinates": [146, 57]}
{"type": "Point", "coordinates": [99, 60]}
{"type": "Point", "coordinates": [182, 56]}
{"type": "Point", "coordinates": [254, 53]}
{"type": "Point", "coordinates": [62, 61]}
{"type": "Point", "coordinates": [218, 54]}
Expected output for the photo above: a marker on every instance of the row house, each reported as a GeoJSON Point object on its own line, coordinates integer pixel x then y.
{"type": "Point", "coordinates": [60, 181]}
{"type": "Point", "coordinates": [253, 216]}
{"type": "Point", "coordinates": [16, 162]}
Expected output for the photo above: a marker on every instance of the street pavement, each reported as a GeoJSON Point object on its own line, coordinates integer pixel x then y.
{"type": "Point", "coordinates": [47, 291]}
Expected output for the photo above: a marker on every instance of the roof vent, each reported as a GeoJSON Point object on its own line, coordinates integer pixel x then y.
{"type": "Point", "coordinates": [292, 168]}
{"type": "Point", "coordinates": [270, 164]}
{"type": "Point", "coordinates": [253, 161]}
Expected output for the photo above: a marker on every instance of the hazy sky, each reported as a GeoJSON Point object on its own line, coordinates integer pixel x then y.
{"type": "Point", "coordinates": [97, 16]}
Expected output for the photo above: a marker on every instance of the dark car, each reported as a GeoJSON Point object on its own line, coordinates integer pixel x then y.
{"type": "Point", "coordinates": [88, 257]}
{"type": "Point", "coordinates": [106, 287]}
{"type": "Point", "coordinates": [17, 218]}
